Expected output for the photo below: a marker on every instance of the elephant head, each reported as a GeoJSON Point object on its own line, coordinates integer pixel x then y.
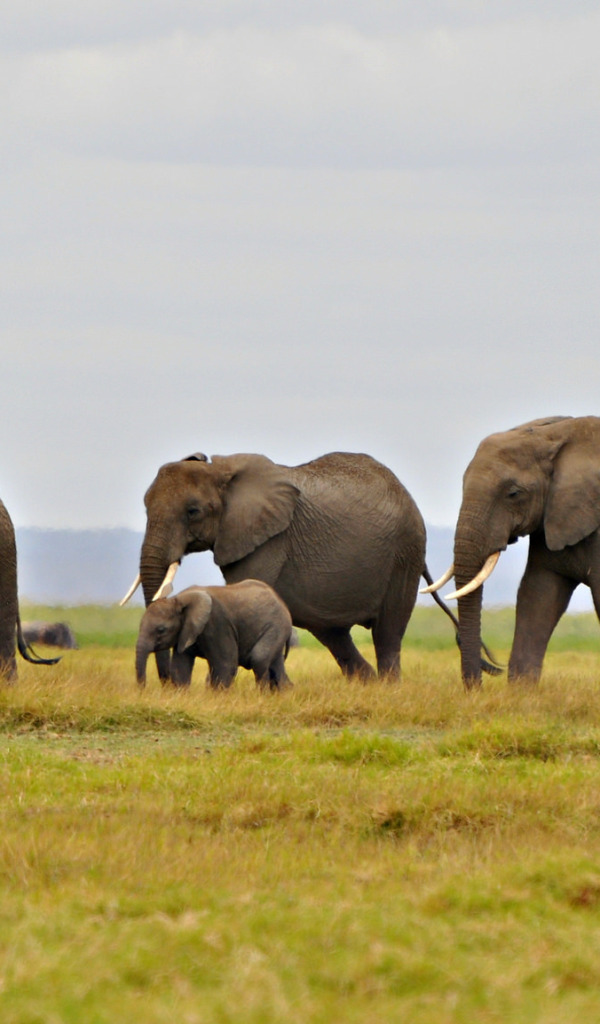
{"type": "Point", "coordinates": [542, 476]}
{"type": "Point", "coordinates": [171, 622]}
{"type": "Point", "coordinates": [230, 506]}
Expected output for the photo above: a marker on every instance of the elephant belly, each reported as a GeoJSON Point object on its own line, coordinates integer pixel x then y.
{"type": "Point", "coordinates": [319, 599]}
{"type": "Point", "coordinates": [580, 562]}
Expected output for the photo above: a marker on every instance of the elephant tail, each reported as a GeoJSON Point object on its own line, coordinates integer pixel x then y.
{"type": "Point", "coordinates": [26, 650]}
{"type": "Point", "coordinates": [489, 664]}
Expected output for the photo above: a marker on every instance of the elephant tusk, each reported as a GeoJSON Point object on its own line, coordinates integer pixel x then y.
{"type": "Point", "coordinates": [433, 587]}
{"type": "Point", "coordinates": [477, 580]}
{"type": "Point", "coordinates": [131, 590]}
{"type": "Point", "coordinates": [166, 583]}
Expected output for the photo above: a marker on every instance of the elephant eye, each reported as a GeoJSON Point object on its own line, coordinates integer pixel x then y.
{"type": "Point", "coordinates": [514, 492]}
{"type": "Point", "coordinates": [193, 511]}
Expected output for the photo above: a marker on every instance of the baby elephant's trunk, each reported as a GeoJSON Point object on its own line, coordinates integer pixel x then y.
{"type": "Point", "coordinates": [142, 652]}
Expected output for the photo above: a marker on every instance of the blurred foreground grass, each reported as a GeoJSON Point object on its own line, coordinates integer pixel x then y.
{"type": "Point", "coordinates": [339, 852]}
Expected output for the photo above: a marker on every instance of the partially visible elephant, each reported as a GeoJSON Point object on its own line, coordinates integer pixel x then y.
{"type": "Point", "coordinates": [541, 479]}
{"type": "Point", "coordinates": [243, 624]}
{"type": "Point", "coordinates": [339, 538]}
{"type": "Point", "coordinates": [52, 634]}
{"type": "Point", "coordinates": [10, 622]}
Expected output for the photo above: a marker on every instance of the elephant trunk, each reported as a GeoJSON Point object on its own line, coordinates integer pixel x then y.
{"type": "Point", "coordinates": [142, 652]}
{"type": "Point", "coordinates": [155, 558]}
{"type": "Point", "coordinates": [470, 550]}
{"type": "Point", "coordinates": [469, 618]}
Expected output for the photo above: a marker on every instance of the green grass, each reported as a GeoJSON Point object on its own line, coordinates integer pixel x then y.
{"type": "Point", "coordinates": [98, 625]}
{"type": "Point", "coordinates": [429, 629]}
{"type": "Point", "coordinates": [340, 852]}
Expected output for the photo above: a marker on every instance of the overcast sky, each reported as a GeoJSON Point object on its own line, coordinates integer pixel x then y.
{"type": "Point", "coordinates": [290, 227]}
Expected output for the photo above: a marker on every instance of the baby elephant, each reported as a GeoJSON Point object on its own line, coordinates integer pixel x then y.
{"type": "Point", "coordinates": [243, 624]}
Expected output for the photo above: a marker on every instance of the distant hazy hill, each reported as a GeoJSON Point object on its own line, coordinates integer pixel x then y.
{"type": "Point", "coordinates": [91, 566]}
{"type": "Point", "coordinates": [97, 566]}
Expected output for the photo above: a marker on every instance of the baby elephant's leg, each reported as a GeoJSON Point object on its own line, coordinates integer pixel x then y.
{"type": "Point", "coordinates": [267, 661]}
{"type": "Point", "coordinates": [278, 677]}
{"type": "Point", "coordinates": [221, 672]}
{"type": "Point", "coordinates": [182, 665]}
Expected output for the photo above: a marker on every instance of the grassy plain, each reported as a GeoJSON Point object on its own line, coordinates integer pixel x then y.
{"type": "Point", "coordinates": [341, 852]}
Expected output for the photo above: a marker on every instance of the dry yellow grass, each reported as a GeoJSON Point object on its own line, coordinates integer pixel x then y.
{"type": "Point", "coordinates": [97, 681]}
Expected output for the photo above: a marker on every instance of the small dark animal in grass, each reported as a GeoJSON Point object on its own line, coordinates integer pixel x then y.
{"type": "Point", "coordinates": [243, 624]}
{"type": "Point", "coordinates": [52, 634]}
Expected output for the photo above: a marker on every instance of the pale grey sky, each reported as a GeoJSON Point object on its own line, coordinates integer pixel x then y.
{"type": "Point", "coordinates": [289, 228]}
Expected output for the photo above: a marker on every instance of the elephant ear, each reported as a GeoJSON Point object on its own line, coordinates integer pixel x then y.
{"type": "Point", "coordinates": [573, 503]}
{"type": "Point", "coordinates": [259, 502]}
{"type": "Point", "coordinates": [197, 606]}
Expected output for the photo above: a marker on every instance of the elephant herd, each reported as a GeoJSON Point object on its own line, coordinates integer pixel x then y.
{"type": "Point", "coordinates": [339, 542]}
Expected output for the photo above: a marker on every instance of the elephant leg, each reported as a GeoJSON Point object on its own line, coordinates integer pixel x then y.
{"type": "Point", "coordinates": [270, 672]}
{"type": "Point", "coordinates": [277, 676]}
{"type": "Point", "coordinates": [542, 599]}
{"type": "Point", "coordinates": [269, 669]}
{"type": "Point", "coordinates": [594, 576]}
{"type": "Point", "coordinates": [9, 609]}
{"type": "Point", "coordinates": [262, 672]}
{"type": "Point", "coordinates": [182, 665]}
{"type": "Point", "coordinates": [221, 673]}
{"type": "Point", "coordinates": [163, 666]}
{"type": "Point", "coordinates": [390, 625]}
{"type": "Point", "coordinates": [337, 639]}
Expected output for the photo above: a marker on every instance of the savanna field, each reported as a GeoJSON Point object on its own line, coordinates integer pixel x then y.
{"type": "Point", "coordinates": [339, 852]}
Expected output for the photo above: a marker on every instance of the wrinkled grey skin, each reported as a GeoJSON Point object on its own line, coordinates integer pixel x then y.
{"type": "Point", "coordinates": [340, 540]}
{"type": "Point", "coordinates": [243, 624]}
{"type": "Point", "coordinates": [52, 634]}
{"type": "Point", "coordinates": [10, 623]}
{"type": "Point", "coordinates": [541, 479]}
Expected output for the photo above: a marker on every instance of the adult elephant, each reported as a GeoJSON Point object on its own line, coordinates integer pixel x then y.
{"type": "Point", "coordinates": [339, 539]}
{"type": "Point", "coordinates": [541, 479]}
{"type": "Point", "coordinates": [10, 622]}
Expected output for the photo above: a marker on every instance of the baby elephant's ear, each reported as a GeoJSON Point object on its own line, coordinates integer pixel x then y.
{"type": "Point", "coordinates": [197, 605]}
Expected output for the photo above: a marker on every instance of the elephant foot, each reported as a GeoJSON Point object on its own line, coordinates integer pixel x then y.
{"type": "Point", "coordinates": [281, 685]}
{"type": "Point", "coordinates": [339, 642]}
{"type": "Point", "coordinates": [362, 673]}
{"type": "Point", "coordinates": [472, 683]}
{"type": "Point", "coordinates": [524, 680]}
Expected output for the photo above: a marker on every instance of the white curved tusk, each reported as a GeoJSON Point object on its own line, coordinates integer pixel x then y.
{"type": "Point", "coordinates": [163, 590]}
{"type": "Point", "coordinates": [431, 589]}
{"type": "Point", "coordinates": [477, 580]}
{"type": "Point", "coordinates": [131, 590]}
